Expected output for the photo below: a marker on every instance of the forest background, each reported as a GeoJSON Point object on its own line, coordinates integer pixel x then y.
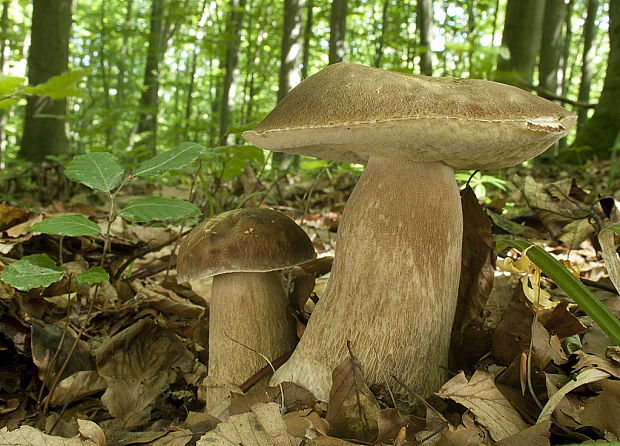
{"type": "Point", "coordinates": [148, 75]}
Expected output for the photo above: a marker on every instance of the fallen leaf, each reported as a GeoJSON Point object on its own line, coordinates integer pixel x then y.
{"type": "Point", "coordinates": [536, 435]}
{"type": "Point", "coordinates": [261, 427]}
{"type": "Point", "coordinates": [491, 409]}
{"type": "Point", "coordinates": [547, 347]}
{"type": "Point", "coordinates": [477, 265]}
{"type": "Point", "coordinates": [353, 409]}
{"type": "Point", "coordinates": [603, 410]}
{"type": "Point", "coordinates": [584, 377]}
{"type": "Point", "coordinates": [563, 323]}
{"type": "Point", "coordinates": [305, 424]}
{"type": "Point", "coordinates": [90, 435]}
{"type": "Point", "coordinates": [295, 398]}
{"type": "Point", "coordinates": [138, 364]}
{"type": "Point", "coordinates": [77, 386]}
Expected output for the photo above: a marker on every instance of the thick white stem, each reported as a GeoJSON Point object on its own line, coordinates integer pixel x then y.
{"type": "Point", "coordinates": [394, 282]}
{"type": "Point", "coordinates": [252, 309]}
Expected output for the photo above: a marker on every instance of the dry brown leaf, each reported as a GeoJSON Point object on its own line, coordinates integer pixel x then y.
{"type": "Point", "coordinates": [329, 441]}
{"type": "Point", "coordinates": [353, 409]}
{"type": "Point", "coordinates": [512, 334]}
{"type": "Point", "coordinates": [536, 435]}
{"type": "Point", "coordinates": [460, 436]}
{"type": "Point", "coordinates": [91, 435]}
{"type": "Point", "coordinates": [603, 410]}
{"type": "Point", "coordinates": [491, 409]}
{"type": "Point", "coordinates": [21, 229]}
{"type": "Point", "coordinates": [562, 322]}
{"type": "Point", "coordinates": [77, 386]}
{"type": "Point", "coordinates": [548, 348]}
{"type": "Point", "coordinates": [138, 364]}
{"type": "Point", "coordinates": [261, 427]}
{"type": "Point", "coordinates": [166, 300]}
{"type": "Point", "coordinates": [10, 216]}
{"type": "Point", "coordinates": [586, 360]}
{"type": "Point", "coordinates": [477, 262]}
{"type": "Point", "coordinates": [174, 438]}
{"type": "Point", "coordinates": [305, 424]}
{"type": "Point", "coordinates": [295, 398]}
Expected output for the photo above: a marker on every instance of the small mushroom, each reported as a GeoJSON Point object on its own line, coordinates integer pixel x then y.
{"type": "Point", "coordinates": [394, 283]}
{"type": "Point", "coordinates": [244, 250]}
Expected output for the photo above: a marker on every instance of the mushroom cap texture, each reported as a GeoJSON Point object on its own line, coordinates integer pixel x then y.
{"type": "Point", "coordinates": [243, 240]}
{"type": "Point", "coordinates": [349, 112]}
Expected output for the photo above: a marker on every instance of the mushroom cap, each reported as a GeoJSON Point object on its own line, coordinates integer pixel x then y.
{"type": "Point", "coordinates": [349, 112]}
{"type": "Point", "coordinates": [242, 240]}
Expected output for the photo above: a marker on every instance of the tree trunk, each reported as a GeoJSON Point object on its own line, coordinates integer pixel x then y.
{"type": "Point", "coordinates": [552, 46]}
{"type": "Point", "coordinates": [149, 101]}
{"type": "Point", "coordinates": [48, 57]}
{"type": "Point", "coordinates": [522, 33]}
{"type": "Point", "coordinates": [230, 63]}
{"type": "Point", "coordinates": [587, 63]}
{"type": "Point", "coordinates": [471, 35]}
{"type": "Point", "coordinates": [4, 46]}
{"type": "Point", "coordinates": [307, 36]}
{"type": "Point", "coordinates": [601, 130]}
{"type": "Point", "coordinates": [291, 46]}
{"type": "Point", "coordinates": [337, 28]}
{"type": "Point", "coordinates": [425, 25]}
{"type": "Point", "coordinates": [381, 37]}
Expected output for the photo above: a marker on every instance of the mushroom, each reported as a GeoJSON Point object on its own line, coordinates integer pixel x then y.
{"type": "Point", "coordinates": [394, 283]}
{"type": "Point", "coordinates": [244, 250]}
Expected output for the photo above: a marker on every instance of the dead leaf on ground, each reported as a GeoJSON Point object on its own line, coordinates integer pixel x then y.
{"type": "Point", "coordinates": [391, 421]}
{"type": "Point", "coordinates": [491, 409]}
{"type": "Point", "coordinates": [547, 347]}
{"type": "Point", "coordinates": [77, 386]}
{"type": "Point", "coordinates": [305, 424]}
{"type": "Point", "coordinates": [166, 301]}
{"type": "Point", "coordinates": [261, 427]}
{"type": "Point", "coordinates": [89, 435]}
{"type": "Point", "coordinates": [536, 435]}
{"type": "Point", "coordinates": [295, 398]}
{"type": "Point", "coordinates": [563, 323]}
{"type": "Point", "coordinates": [603, 410]}
{"type": "Point", "coordinates": [138, 364]}
{"type": "Point", "coordinates": [353, 409]}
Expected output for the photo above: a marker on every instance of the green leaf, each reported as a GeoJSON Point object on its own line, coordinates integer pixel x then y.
{"type": "Point", "coordinates": [614, 228]}
{"type": "Point", "coordinates": [10, 84]}
{"type": "Point", "coordinates": [177, 158]}
{"type": "Point", "coordinates": [92, 275]}
{"type": "Point", "coordinates": [31, 272]}
{"type": "Point", "coordinates": [60, 86]}
{"type": "Point", "coordinates": [571, 286]}
{"type": "Point", "coordinates": [158, 208]}
{"type": "Point", "coordinates": [97, 170]}
{"type": "Point", "coordinates": [71, 225]}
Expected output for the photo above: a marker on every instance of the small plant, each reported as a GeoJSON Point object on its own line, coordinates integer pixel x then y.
{"type": "Point", "coordinates": [100, 171]}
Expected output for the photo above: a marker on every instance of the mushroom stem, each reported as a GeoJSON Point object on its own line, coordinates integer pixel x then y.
{"type": "Point", "coordinates": [250, 308]}
{"type": "Point", "coordinates": [394, 283]}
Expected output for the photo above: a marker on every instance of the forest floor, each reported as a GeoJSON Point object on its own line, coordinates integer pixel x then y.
{"type": "Point", "coordinates": [137, 373]}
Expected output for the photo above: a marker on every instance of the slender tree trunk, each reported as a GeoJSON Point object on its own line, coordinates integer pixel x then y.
{"type": "Point", "coordinates": [290, 55]}
{"type": "Point", "coordinates": [522, 33]}
{"type": "Point", "coordinates": [425, 27]}
{"type": "Point", "coordinates": [587, 63]}
{"type": "Point", "coordinates": [381, 37]}
{"type": "Point", "coordinates": [230, 63]}
{"type": "Point", "coordinates": [48, 57]}
{"type": "Point", "coordinates": [105, 72]}
{"type": "Point", "coordinates": [291, 46]}
{"type": "Point", "coordinates": [552, 47]}
{"type": "Point", "coordinates": [121, 78]}
{"type": "Point", "coordinates": [149, 101]}
{"type": "Point", "coordinates": [471, 37]}
{"type": "Point", "coordinates": [192, 72]}
{"type": "Point", "coordinates": [601, 130]}
{"type": "Point", "coordinates": [307, 37]}
{"type": "Point", "coordinates": [337, 28]}
{"type": "Point", "coordinates": [4, 48]}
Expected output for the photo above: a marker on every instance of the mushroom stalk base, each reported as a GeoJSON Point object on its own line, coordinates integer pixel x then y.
{"type": "Point", "coordinates": [394, 282]}
{"type": "Point", "coordinates": [247, 311]}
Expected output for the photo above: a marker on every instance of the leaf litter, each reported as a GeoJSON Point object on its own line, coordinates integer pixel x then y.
{"type": "Point", "coordinates": [135, 375]}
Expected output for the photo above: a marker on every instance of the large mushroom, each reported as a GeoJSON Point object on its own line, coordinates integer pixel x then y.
{"type": "Point", "coordinates": [244, 250]}
{"type": "Point", "coordinates": [394, 282]}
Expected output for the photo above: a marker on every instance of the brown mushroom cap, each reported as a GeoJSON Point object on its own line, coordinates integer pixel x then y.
{"type": "Point", "coordinates": [349, 112]}
{"type": "Point", "coordinates": [242, 240]}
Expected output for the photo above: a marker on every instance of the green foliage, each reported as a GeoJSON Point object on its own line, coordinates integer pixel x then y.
{"type": "Point", "coordinates": [571, 285]}
{"type": "Point", "coordinates": [69, 225]}
{"type": "Point", "coordinates": [97, 170]}
{"type": "Point", "coordinates": [32, 272]}
{"type": "Point", "coordinates": [158, 208]}
{"type": "Point", "coordinates": [177, 158]}
{"type": "Point", "coordinates": [92, 275]}
{"type": "Point", "coordinates": [64, 85]}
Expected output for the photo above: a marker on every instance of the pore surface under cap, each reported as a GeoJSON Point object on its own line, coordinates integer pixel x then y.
{"type": "Point", "coordinates": [349, 112]}
{"type": "Point", "coordinates": [243, 240]}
